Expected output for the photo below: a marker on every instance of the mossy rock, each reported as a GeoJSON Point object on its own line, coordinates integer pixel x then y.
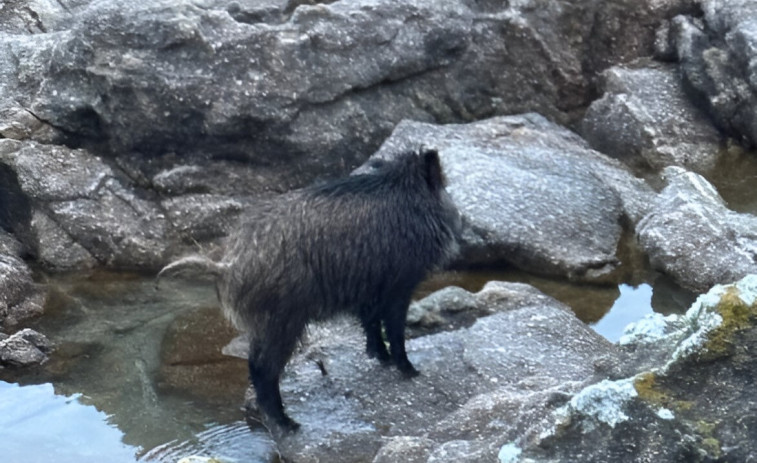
{"type": "Point", "coordinates": [737, 315]}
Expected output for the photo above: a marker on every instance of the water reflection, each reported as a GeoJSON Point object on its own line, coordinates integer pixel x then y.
{"type": "Point", "coordinates": [37, 425]}
{"type": "Point", "coordinates": [149, 359]}
{"type": "Point", "coordinates": [606, 308]}
{"type": "Point", "coordinates": [734, 177]}
{"type": "Point", "coordinates": [631, 305]}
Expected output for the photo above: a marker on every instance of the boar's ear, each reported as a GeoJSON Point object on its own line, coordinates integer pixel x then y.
{"type": "Point", "coordinates": [432, 169]}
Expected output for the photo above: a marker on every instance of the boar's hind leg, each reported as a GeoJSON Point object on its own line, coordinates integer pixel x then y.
{"type": "Point", "coordinates": [374, 345]}
{"type": "Point", "coordinates": [269, 397]}
{"type": "Point", "coordinates": [394, 317]}
{"type": "Point", "coordinates": [266, 360]}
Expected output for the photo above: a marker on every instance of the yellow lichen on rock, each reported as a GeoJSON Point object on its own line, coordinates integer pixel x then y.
{"type": "Point", "coordinates": [737, 315]}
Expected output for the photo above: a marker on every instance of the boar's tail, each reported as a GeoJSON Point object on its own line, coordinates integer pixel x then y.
{"type": "Point", "coordinates": [191, 266]}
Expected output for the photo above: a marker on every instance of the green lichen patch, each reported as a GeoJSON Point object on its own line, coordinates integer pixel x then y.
{"type": "Point", "coordinates": [648, 390]}
{"type": "Point", "coordinates": [709, 443]}
{"type": "Point", "coordinates": [737, 315]}
{"type": "Point", "coordinates": [652, 392]}
{"type": "Point", "coordinates": [735, 312]}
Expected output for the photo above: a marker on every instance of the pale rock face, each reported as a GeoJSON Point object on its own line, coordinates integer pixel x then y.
{"type": "Point", "coordinates": [691, 235]}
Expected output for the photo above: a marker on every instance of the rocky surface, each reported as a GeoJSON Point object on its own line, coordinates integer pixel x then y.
{"type": "Point", "coordinates": [183, 112]}
{"type": "Point", "coordinates": [716, 54]}
{"type": "Point", "coordinates": [533, 193]}
{"type": "Point", "coordinates": [24, 348]}
{"type": "Point", "coordinates": [645, 119]}
{"type": "Point", "coordinates": [479, 386]}
{"type": "Point", "coordinates": [73, 212]}
{"type": "Point", "coordinates": [20, 297]}
{"type": "Point", "coordinates": [265, 80]}
{"type": "Point", "coordinates": [691, 235]}
{"type": "Point", "coordinates": [131, 131]}
{"type": "Point", "coordinates": [574, 398]}
{"type": "Point", "coordinates": [38, 16]}
{"type": "Point", "coordinates": [688, 402]}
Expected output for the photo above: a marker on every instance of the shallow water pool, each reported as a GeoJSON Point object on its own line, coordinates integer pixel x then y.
{"type": "Point", "coordinates": [138, 373]}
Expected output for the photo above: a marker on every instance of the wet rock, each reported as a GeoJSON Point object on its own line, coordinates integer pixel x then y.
{"type": "Point", "coordinates": [199, 459]}
{"type": "Point", "coordinates": [37, 16]}
{"type": "Point", "coordinates": [74, 211]}
{"type": "Point", "coordinates": [407, 449]}
{"type": "Point", "coordinates": [19, 124]}
{"type": "Point", "coordinates": [10, 245]}
{"type": "Point", "coordinates": [325, 81]}
{"type": "Point", "coordinates": [645, 119]}
{"type": "Point", "coordinates": [202, 217]}
{"type": "Point", "coordinates": [219, 178]}
{"type": "Point", "coordinates": [681, 406]}
{"type": "Point", "coordinates": [691, 235]}
{"type": "Point", "coordinates": [20, 298]}
{"type": "Point", "coordinates": [500, 377]}
{"type": "Point", "coordinates": [533, 193]}
{"type": "Point", "coordinates": [222, 98]}
{"type": "Point", "coordinates": [430, 311]}
{"type": "Point", "coordinates": [25, 348]}
{"type": "Point", "coordinates": [716, 54]}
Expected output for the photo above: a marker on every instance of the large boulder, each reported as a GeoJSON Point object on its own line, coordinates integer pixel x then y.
{"type": "Point", "coordinates": [532, 193]}
{"type": "Point", "coordinates": [72, 210]}
{"type": "Point", "coordinates": [186, 110]}
{"type": "Point", "coordinates": [646, 119]}
{"type": "Point", "coordinates": [717, 55]}
{"type": "Point", "coordinates": [543, 388]}
{"type": "Point", "coordinates": [692, 236]}
{"type": "Point", "coordinates": [688, 398]}
{"type": "Point", "coordinates": [268, 80]}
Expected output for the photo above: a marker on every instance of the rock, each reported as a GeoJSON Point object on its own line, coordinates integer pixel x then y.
{"type": "Point", "coordinates": [20, 298]}
{"type": "Point", "coordinates": [202, 217]}
{"type": "Point", "coordinates": [429, 311]}
{"type": "Point", "coordinates": [645, 119]}
{"type": "Point", "coordinates": [18, 123]}
{"type": "Point", "coordinates": [25, 348]}
{"type": "Point", "coordinates": [681, 406]}
{"type": "Point", "coordinates": [10, 245]}
{"type": "Point", "coordinates": [533, 193]}
{"type": "Point", "coordinates": [716, 56]}
{"type": "Point", "coordinates": [170, 100]}
{"type": "Point", "coordinates": [690, 234]}
{"type": "Point", "coordinates": [406, 449]}
{"type": "Point", "coordinates": [701, 333]}
{"type": "Point", "coordinates": [74, 211]}
{"type": "Point", "coordinates": [500, 377]}
{"type": "Point", "coordinates": [219, 177]}
{"type": "Point", "coordinates": [199, 459]}
{"type": "Point", "coordinates": [324, 82]}
{"type": "Point", "coordinates": [37, 16]}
